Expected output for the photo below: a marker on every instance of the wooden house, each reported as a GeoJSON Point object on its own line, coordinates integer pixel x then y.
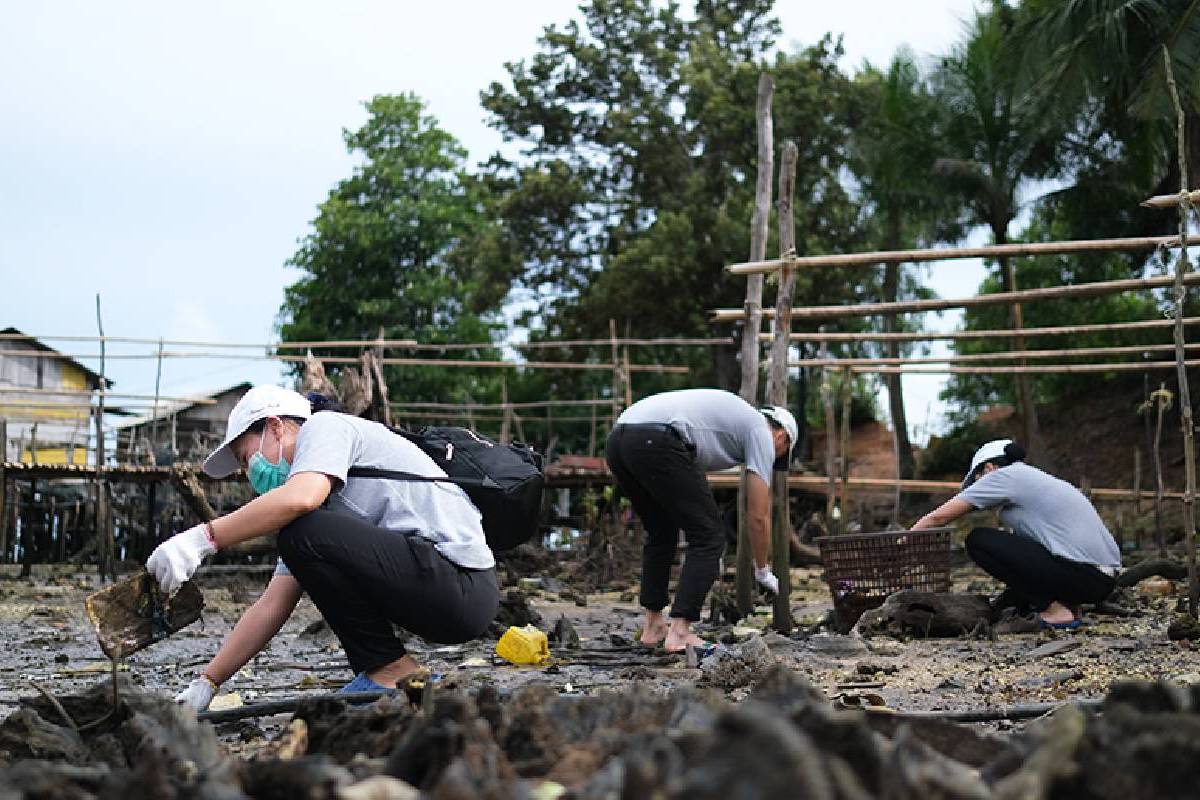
{"type": "Point", "coordinates": [45, 402]}
{"type": "Point", "coordinates": [180, 431]}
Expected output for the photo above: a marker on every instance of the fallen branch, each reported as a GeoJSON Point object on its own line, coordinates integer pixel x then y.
{"type": "Point", "coordinates": [1163, 567]}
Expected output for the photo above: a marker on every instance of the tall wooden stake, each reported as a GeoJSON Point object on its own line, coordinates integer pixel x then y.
{"type": "Point", "coordinates": [104, 527]}
{"type": "Point", "coordinates": [3, 489]}
{"type": "Point", "coordinates": [830, 446]}
{"type": "Point", "coordinates": [744, 582]}
{"type": "Point", "coordinates": [847, 388]}
{"type": "Point", "coordinates": [1180, 296]}
{"type": "Point", "coordinates": [777, 386]}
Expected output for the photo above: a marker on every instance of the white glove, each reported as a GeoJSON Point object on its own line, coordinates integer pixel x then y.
{"type": "Point", "coordinates": [198, 694]}
{"type": "Point", "coordinates": [176, 560]}
{"type": "Point", "coordinates": [766, 579]}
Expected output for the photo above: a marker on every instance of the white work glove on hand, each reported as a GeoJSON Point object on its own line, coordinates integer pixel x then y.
{"type": "Point", "coordinates": [198, 694]}
{"type": "Point", "coordinates": [766, 579]}
{"type": "Point", "coordinates": [176, 560]}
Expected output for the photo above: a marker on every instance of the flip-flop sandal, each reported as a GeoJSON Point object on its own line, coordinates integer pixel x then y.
{"type": "Point", "coordinates": [1059, 626]}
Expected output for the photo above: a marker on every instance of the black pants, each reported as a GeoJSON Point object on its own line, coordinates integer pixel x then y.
{"type": "Point", "coordinates": [1034, 576]}
{"type": "Point", "coordinates": [363, 579]}
{"type": "Point", "coordinates": [656, 469]}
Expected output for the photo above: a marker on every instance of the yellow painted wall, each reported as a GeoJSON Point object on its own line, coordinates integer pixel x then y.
{"type": "Point", "coordinates": [52, 455]}
{"type": "Point", "coordinates": [72, 377]}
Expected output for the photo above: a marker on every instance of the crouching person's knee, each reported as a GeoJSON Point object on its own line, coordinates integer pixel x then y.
{"type": "Point", "coordinates": [980, 541]}
{"type": "Point", "coordinates": [296, 535]}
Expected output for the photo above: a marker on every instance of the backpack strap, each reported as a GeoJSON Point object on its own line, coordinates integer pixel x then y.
{"type": "Point", "coordinates": [376, 472]}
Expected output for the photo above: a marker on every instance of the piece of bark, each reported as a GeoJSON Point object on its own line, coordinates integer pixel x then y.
{"type": "Point", "coordinates": [1163, 567]}
{"type": "Point", "coordinates": [925, 614]}
{"type": "Point", "coordinates": [134, 613]}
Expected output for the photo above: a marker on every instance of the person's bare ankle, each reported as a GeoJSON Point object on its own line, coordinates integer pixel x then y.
{"type": "Point", "coordinates": [390, 674]}
{"type": "Point", "coordinates": [654, 629]}
{"type": "Point", "coordinates": [680, 636]}
{"type": "Point", "coordinates": [1056, 612]}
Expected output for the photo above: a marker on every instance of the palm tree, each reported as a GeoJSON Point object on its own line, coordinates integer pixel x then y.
{"type": "Point", "coordinates": [1000, 138]}
{"type": "Point", "coordinates": [1081, 52]}
{"type": "Point", "coordinates": [891, 153]}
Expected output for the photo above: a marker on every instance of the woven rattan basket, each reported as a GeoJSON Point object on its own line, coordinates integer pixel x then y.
{"type": "Point", "coordinates": [862, 569]}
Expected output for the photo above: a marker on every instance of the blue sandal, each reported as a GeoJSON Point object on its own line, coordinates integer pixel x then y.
{"type": "Point", "coordinates": [1058, 626]}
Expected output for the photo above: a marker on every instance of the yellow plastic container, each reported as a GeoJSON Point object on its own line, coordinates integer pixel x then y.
{"type": "Point", "coordinates": [526, 645]}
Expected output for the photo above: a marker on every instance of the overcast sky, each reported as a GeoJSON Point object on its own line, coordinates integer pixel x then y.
{"type": "Point", "coordinates": [169, 155]}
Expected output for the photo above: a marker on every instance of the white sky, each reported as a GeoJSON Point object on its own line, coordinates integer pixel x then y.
{"type": "Point", "coordinates": [169, 155]}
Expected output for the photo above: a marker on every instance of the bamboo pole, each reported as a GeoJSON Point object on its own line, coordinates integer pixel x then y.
{"type": "Point", "coordinates": [956, 253]}
{"type": "Point", "coordinates": [1137, 478]}
{"type": "Point", "coordinates": [1162, 401]}
{"type": "Point", "coordinates": [81, 393]}
{"type": "Point", "coordinates": [3, 488]}
{"type": "Point", "coordinates": [1182, 265]}
{"type": "Point", "coordinates": [506, 421]}
{"type": "Point", "coordinates": [1000, 356]}
{"type": "Point", "coordinates": [777, 388]}
{"type": "Point", "coordinates": [1032, 369]}
{"type": "Point", "coordinates": [390, 344]}
{"type": "Point", "coordinates": [919, 336]}
{"type": "Point", "coordinates": [104, 529]}
{"type": "Point", "coordinates": [996, 298]}
{"type": "Point", "coordinates": [1172, 200]}
{"type": "Point", "coordinates": [501, 405]}
{"type": "Point", "coordinates": [408, 362]}
{"type": "Point", "coordinates": [830, 450]}
{"type": "Point", "coordinates": [752, 311]}
{"type": "Point", "coordinates": [847, 390]}
{"type": "Point", "coordinates": [616, 369]}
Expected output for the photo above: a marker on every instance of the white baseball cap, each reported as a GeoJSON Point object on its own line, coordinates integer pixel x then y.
{"type": "Point", "coordinates": [260, 402]}
{"type": "Point", "coordinates": [993, 449]}
{"type": "Point", "coordinates": [784, 419]}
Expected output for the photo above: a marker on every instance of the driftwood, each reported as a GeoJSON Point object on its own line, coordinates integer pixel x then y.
{"type": "Point", "coordinates": [913, 613]}
{"type": "Point", "coordinates": [1163, 567]}
{"type": "Point", "coordinates": [134, 614]}
{"type": "Point", "coordinates": [188, 486]}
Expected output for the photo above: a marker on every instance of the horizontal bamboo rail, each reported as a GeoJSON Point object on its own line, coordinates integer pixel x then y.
{"type": "Point", "coordinates": [501, 406]}
{"type": "Point", "coordinates": [1031, 369]}
{"type": "Point", "coordinates": [77, 393]}
{"type": "Point", "coordinates": [975, 357]}
{"type": "Point", "coordinates": [411, 362]}
{"type": "Point", "coordinates": [819, 483]}
{"type": "Point", "coordinates": [718, 480]}
{"type": "Point", "coordinates": [955, 253]}
{"type": "Point", "coordinates": [996, 298]}
{"type": "Point", "coordinates": [387, 344]}
{"type": "Point", "coordinates": [1005, 333]}
{"type": "Point", "coordinates": [1171, 200]}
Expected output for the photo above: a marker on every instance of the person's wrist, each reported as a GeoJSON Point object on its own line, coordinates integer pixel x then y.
{"type": "Point", "coordinates": [216, 687]}
{"type": "Point", "coordinates": [210, 536]}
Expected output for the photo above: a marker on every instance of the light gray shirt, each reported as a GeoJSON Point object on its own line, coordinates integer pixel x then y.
{"type": "Point", "coordinates": [331, 443]}
{"type": "Point", "coordinates": [725, 430]}
{"type": "Point", "coordinates": [1048, 510]}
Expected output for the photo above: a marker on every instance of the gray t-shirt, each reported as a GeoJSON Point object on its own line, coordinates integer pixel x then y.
{"type": "Point", "coordinates": [725, 430]}
{"type": "Point", "coordinates": [331, 443]}
{"type": "Point", "coordinates": [1048, 510]}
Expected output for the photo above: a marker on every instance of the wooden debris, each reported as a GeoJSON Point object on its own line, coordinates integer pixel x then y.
{"type": "Point", "coordinates": [134, 614]}
{"type": "Point", "coordinates": [1052, 648]}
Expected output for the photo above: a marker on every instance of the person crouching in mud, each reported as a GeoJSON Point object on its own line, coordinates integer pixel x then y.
{"type": "Point", "coordinates": [369, 552]}
{"type": "Point", "coordinates": [1058, 553]}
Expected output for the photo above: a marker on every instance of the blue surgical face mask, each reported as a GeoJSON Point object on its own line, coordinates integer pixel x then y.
{"type": "Point", "coordinates": [265, 476]}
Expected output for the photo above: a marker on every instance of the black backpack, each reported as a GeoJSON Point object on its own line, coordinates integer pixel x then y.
{"type": "Point", "coordinates": [504, 481]}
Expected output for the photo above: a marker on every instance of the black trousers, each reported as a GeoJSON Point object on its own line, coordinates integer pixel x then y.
{"type": "Point", "coordinates": [656, 469]}
{"type": "Point", "coordinates": [363, 579]}
{"type": "Point", "coordinates": [1034, 576]}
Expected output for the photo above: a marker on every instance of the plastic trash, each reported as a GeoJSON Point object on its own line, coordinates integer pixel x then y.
{"type": "Point", "coordinates": [526, 645]}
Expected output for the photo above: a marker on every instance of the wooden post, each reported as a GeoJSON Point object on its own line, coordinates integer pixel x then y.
{"type": "Point", "coordinates": [744, 581]}
{"type": "Point", "coordinates": [844, 447]}
{"type": "Point", "coordinates": [628, 379]}
{"type": "Point", "coordinates": [1182, 265]}
{"type": "Point", "coordinates": [1162, 401]}
{"type": "Point", "coordinates": [104, 527]}
{"type": "Point", "coordinates": [1137, 479]}
{"type": "Point", "coordinates": [3, 488]}
{"type": "Point", "coordinates": [592, 431]}
{"type": "Point", "coordinates": [506, 421]}
{"type": "Point", "coordinates": [830, 447]}
{"type": "Point", "coordinates": [777, 386]}
{"type": "Point", "coordinates": [616, 369]}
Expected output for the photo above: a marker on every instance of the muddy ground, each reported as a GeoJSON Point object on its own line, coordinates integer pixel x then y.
{"type": "Point", "coordinates": [45, 639]}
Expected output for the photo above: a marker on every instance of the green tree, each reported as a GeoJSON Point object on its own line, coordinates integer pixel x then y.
{"type": "Point", "coordinates": [635, 182]}
{"type": "Point", "coordinates": [380, 255]}
{"type": "Point", "coordinates": [892, 151]}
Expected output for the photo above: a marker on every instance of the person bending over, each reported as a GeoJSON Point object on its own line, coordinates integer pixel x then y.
{"type": "Point", "coordinates": [659, 452]}
{"type": "Point", "coordinates": [1057, 553]}
{"type": "Point", "coordinates": [369, 552]}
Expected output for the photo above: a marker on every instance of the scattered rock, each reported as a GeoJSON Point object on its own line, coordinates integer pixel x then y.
{"type": "Point", "coordinates": [564, 635]}
{"type": "Point", "coordinates": [1182, 627]}
{"type": "Point", "coordinates": [1052, 648]}
{"type": "Point", "coordinates": [925, 614]}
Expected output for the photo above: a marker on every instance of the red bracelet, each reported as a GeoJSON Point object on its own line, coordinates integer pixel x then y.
{"type": "Point", "coordinates": [208, 531]}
